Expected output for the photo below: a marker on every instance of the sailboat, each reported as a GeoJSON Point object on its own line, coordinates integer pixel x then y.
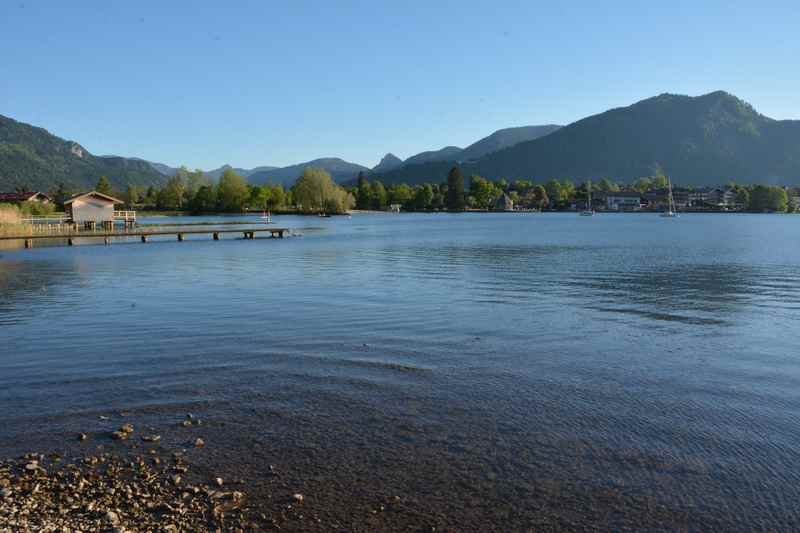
{"type": "Point", "coordinates": [589, 211]}
{"type": "Point", "coordinates": [670, 212]}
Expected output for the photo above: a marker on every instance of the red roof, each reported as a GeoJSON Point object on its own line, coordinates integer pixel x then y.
{"type": "Point", "coordinates": [20, 196]}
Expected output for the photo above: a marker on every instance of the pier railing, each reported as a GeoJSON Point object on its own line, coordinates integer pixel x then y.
{"type": "Point", "coordinates": [126, 216]}
{"type": "Point", "coordinates": [55, 218]}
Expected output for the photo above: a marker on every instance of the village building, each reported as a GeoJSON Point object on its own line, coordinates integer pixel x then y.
{"type": "Point", "coordinates": [623, 201]}
{"type": "Point", "coordinates": [91, 209]}
{"type": "Point", "coordinates": [19, 197]}
{"type": "Point", "coordinates": [504, 203]}
{"type": "Point", "coordinates": [659, 197]}
{"type": "Point", "coordinates": [731, 200]}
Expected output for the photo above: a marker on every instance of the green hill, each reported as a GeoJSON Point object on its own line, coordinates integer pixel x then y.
{"type": "Point", "coordinates": [34, 159]}
{"type": "Point", "coordinates": [704, 140]}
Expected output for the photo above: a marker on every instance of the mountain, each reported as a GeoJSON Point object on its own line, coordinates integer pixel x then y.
{"type": "Point", "coordinates": [214, 175]}
{"type": "Point", "coordinates": [339, 170]}
{"type": "Point", "coordinates": [703, 140]}
{"type": "Point", "coordinates": [244, 172]}
{"type": "Point", "coordinates": [494, 142]}
{"type": "Point", "coordinates": [32, 158]}
{"type": "Point", "coordinates": [162, 169]}
{"type": "Point", "coordinates": [503, 139]}
{"type": "Point", "coordinates": [448, 153]}
{"type": "Point", "coordinates": [388, 162]}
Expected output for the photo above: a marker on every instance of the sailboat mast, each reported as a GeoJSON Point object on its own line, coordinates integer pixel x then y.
{"type": "Point", "coordinates": [670, 197]}
{"type": "Point", "coordinates": [589, 195]}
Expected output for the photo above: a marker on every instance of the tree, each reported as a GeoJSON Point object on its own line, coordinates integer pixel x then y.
{"type": "Point", "coordinates": [232, 191]}
{"type": "Point", "coordinates": [364, 192]}
{"type": "Point", "coordinates": [132, 195]}
{"type": "Point", "coordinates": [172, 195]}
{"type": "Point", "coordinates": [423, 197]}
{"type": "Point", "coordinates": [553, 189]}
{"type": "Point", "coordinates": [151, 196]}
{"type": "Point", "coordinates": [60, 195]}
{"type": "Point", "coordinates": [316, 190]}
{"type": "Point", "coordinates": [606, 185]}
{"type": "Point", "coordinates": [103, 185]}
{"type": "Point", "coordinates": [521, 186]}
{"type": "Point", "coordinates": [791, 206]}
{"type": "Point", "coordinates": [536, 198]}
{"type": "Point", "coordinates": [195, 180]}
{"type": "Point", "coordinates": [659, 179]}
{"type": "Point", "coordinates": [259, 196]}
{"type": "Point", "coordinates": [484, 192]}
{"type": "Point", "coordinates": [400, 194]}
{"type": "Point", "coordinates": [768, 198]}
{"type": "Point", "coordinates": [204, 200]}
{"type": "Point", "coordinates": [642, 185]}
{"type": "Point", "coordinates": [567, 191]}
{"type": "Point", "coordinates": [455, 190]}
{"type": "Point", "coordinates": [277, 197]}
{"type": "Point", "coordinates": [377, 196]}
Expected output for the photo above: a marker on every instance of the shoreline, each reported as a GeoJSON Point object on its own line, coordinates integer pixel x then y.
{"type": "Point", "coordinates": [275, 475]}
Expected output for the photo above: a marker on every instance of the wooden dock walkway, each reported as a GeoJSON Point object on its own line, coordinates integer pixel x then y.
{"type": "Point", "coordinates": [143, 234]}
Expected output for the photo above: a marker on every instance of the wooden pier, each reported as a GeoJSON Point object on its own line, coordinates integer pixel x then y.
{"type": "Point", "coordinates": [144, 234]}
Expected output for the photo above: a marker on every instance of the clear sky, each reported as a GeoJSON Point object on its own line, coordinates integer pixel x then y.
{"type": "Point", "coordinates": [249, 83]}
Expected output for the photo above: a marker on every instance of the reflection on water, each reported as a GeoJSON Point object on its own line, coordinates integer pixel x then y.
{"type": "Point", "coordinates": [528, 366]}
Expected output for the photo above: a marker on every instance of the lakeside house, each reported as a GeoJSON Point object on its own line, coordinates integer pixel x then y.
{"type": "Point", "coordinates": [91, 208]}
{"type": "Point", "coordinates": [20, 197]}
{"type": "Point", "coordinates": [395, 208]}
{"type": "Point", "coordinates": [793, 194]}
{"type": "Point", "coordinates": [504, 203]}
{"type": "Point", "coordinates": [623, 201]}
{"type": "Point", "coordinates": [658, 198]}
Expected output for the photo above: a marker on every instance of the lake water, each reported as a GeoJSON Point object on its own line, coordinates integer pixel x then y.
{"type": "Point", "coordinates": [495, 371]}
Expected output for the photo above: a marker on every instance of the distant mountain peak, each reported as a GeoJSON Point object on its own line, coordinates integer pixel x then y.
{"type": "Point", "coordinates": [387, 163]}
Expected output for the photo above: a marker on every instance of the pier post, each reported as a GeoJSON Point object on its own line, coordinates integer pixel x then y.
{"type": "Point", "coordinates": [216, 236]}
{"type": "Point", "coordinates": [180, 237]}
{"type": "Point", "coordinates": [28, 243]}
{"type": "Point", "coordinates": [106, 240]}
{"type": "Point", "coordinates": [70, 242]}
{"type": "Point", "coordinates": [144, 238]}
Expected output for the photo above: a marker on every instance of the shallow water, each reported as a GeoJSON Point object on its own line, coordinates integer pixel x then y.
{"type": "Point", "coordinates": [505, 371]}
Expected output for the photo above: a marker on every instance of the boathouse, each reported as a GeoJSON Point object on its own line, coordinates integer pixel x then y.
{"type": "Point", "coordinates": [91, 208]}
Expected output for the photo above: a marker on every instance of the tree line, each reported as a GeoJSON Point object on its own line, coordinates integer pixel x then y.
{"type": "Point", "coordinates": [482, 193]}
{"type": "Point", "coordinates": [315, 191]}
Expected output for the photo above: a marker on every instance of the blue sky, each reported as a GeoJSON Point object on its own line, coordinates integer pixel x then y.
{"type": "Point", "coordinates": [205, 83]}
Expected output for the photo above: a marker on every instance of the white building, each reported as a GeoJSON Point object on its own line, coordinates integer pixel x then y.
{"type": "Point", "coordinates": [623, 201]}
{"type": "Point", "coordinates": [91, 208]}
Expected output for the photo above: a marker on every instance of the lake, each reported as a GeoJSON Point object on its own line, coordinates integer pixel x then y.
{"type": "Point", "coordinates": [491, 371]}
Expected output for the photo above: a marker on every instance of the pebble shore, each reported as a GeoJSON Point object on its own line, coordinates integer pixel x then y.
{"type": "Point", "coordinates": [135, 488]}
{"type": "Point", "coordinates": [108, 492]}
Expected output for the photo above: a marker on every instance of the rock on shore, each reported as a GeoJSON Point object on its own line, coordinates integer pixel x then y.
{"type": "Point", "coordinates": [107, 492]}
